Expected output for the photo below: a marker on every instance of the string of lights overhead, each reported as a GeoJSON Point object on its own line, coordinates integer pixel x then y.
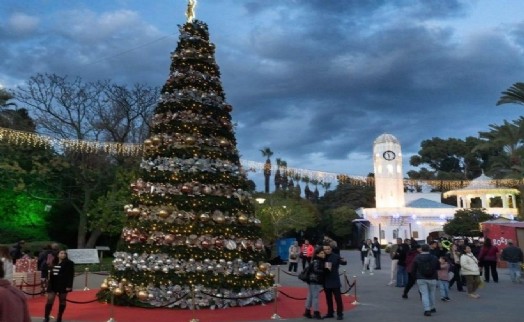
{"type": "Point", "coordinates": [15, 137]}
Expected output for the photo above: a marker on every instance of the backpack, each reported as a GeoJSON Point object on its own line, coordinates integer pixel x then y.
{"type": "Point", "coordinates": [426, 268]}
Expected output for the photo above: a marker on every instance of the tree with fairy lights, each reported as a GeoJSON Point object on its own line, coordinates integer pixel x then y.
{"type": "Point", "coordinates": [191, 238]}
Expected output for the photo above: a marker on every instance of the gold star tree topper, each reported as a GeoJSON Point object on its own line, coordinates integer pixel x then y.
{"type": "Point", "coordinates": [190, 12]}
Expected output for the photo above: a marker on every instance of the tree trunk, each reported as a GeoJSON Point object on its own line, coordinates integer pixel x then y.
{"type": "Point", "coordinates": [91, 242]}
{"type": "Point", "coordinates": [82, 220]}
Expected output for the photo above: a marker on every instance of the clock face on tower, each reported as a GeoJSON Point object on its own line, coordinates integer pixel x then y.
{"type": "Point", "coordinates": [389, 155]}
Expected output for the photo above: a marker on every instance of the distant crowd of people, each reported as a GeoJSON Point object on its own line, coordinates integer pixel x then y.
{"type": "Point", "coordinates": [437, 265]}
{"type": "Point", "coordinates": [445, 263]}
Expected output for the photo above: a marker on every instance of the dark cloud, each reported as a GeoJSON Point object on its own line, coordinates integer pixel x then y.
{"type": "Point", "coordinates": [315, 80]}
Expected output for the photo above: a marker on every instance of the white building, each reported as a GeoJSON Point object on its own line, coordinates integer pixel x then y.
{"type": "Point", "coordinates": [419, 215]}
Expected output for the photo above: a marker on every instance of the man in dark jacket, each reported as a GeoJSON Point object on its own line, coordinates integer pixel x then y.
{"type": "Point", "coordinates": [426, 267]}
{"type": "Point", "coordinates": [400, 255]}
{"type": "Point", "coordinates": [513, 255]}
{"type": "Point", "coordinates": [16, 252]}
{"type": "Point", "coordinates": [332, 283]}
{"type": "Point", "coordinates": [376, 252]}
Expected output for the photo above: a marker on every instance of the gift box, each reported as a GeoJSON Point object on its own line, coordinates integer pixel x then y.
{"type": "Point", "coordinates": [26, 265]}
{"type": "Point", "coordinates": [29, 283]}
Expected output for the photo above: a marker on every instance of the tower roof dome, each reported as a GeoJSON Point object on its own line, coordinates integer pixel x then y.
{"type": "Point", "coordinates": [386, 138]}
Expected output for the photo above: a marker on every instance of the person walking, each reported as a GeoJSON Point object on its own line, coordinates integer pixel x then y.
{"type": "Point", "coordinates": [369, 259]}
{"type": "Point", "coordinates": [402, 274]}
{"type": "Point", "coordinates": [7, 263]}
{"type": "Point", "coordinates": [443, 279]}
{"type": "Point", "coordinates": [363, 253]}
{"type": "Point", "coordinates": [377, 251]}
{"type": "Point", "coordinates": [513, 255]}
{"type": "Point", "coordinates": [62, 274]}
{"type": "Point", "coordinates": [294, 254]}
{"type": "Point", "coordinates": [425, 267]}
{"type": "Point", "coordinates": [13, 303]}
{"type": "Point", "coordinates": [306, 253]}
{"type": "Point", "coordinates": [469, 267]}
{"type": "Point", "coordinates": [488, 259]}
{"type": "Point", "coordinates": [315, 284]}
{"type": "Point", "coordinates": [332, 283]}
{"type": "Point", "coordinates": [454, 257]}
{"type": "Point", "coordinates": [394, 262]}
{"type": "Point", "coordinates": [412, 275]}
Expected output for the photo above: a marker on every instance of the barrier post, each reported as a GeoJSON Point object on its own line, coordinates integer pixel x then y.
{"type": "Point", "coordinates": [355, 302]}
{"type": "Point", "coordinates": [346, 281]}
{"type": "Point", "coordinates": [85, 283]}
{"type": "Point", "coordinates": [193, 306]}
{"type": "Point", "coordinates": [34, 285]}
{"type": "Point", "coordinates": [275, 315]}
{"type": "Point", "coordinates": [112, 287]}
{"type": "Point", "coordinates": [112, 311]}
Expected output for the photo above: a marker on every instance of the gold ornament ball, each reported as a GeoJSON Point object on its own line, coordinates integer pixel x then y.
{"type": "Point", "coordinates": [190, 140]}
{"type": "Point", "coordinates": [104, 286]}
{"type": "Point", "coordinates": [204, 217]}
{"type": "Point", "coordinates": [148, 142]}
{"type": "Point", "coordinates": [242, 218]}
{"type": "Point", "coordinates": [262, 267]}
{"type": "Point", "coordinates": [163, 213]}
{"type": "Point", "coordinates": [118, 291]}
{"type": "Point", "coordinates": [156, 140]}
{"type": "Point", "coordinates": [142, 295]}
{"type": "Point", "coordinates": [260, 275]}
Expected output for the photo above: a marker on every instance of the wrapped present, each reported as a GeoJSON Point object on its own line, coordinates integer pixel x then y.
{"type": "Point", "coordinates": [29, 283]}
{"type": "Point", "coordinates": [26, 265]}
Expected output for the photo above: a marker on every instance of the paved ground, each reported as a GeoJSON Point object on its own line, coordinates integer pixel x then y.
{"type": "Point", "coordinates": [379, 302]}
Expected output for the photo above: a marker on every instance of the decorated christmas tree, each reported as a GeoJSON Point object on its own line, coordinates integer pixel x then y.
{"type": "Point", "coordinates": [191, 238]}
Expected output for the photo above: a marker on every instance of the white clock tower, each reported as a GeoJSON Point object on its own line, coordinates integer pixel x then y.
{"type": "Point", "coordinates": [387, 161]}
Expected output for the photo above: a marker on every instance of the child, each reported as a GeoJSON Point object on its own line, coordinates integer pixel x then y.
{"type": "Point", "coordinates": [443, 279]}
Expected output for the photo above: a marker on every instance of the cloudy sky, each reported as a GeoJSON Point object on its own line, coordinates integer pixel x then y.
{"type": "Point", "coordinates": [315, 80]}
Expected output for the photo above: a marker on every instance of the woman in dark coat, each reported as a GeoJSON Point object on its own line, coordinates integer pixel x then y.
{"type": "Point", "coordinates": [62, 274]}
{"type": "Point", "coordinates": [315, 283]}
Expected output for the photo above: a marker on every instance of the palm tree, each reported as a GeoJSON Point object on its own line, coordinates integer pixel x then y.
{"type": "Point", "coordinates": [513, 95]}
{"type": "Point", "coordinates": [307, 191]}
{"type": "Point", "coordinates": [507, 139]}
{"type": "Point", "coordinates": [284, 178]}
{"type": "Point", "coordinates": [325, 185]}
{"type": "Point", "coordinates": [315, 193]}
{"type": "Point", "coordinates": [266, 152]}
{"type": "Point", "coordinates": [278, 177]}
{"type": "Point", "coordinates": [297, 176]}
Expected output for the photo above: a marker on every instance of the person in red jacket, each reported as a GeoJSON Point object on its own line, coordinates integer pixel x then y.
{"type": "Point", "coordinates": [488, 258]}
{"type": "Point", "coordinates": [13, 305]}
{"type": "Point", "coordinates": [306, 253]}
